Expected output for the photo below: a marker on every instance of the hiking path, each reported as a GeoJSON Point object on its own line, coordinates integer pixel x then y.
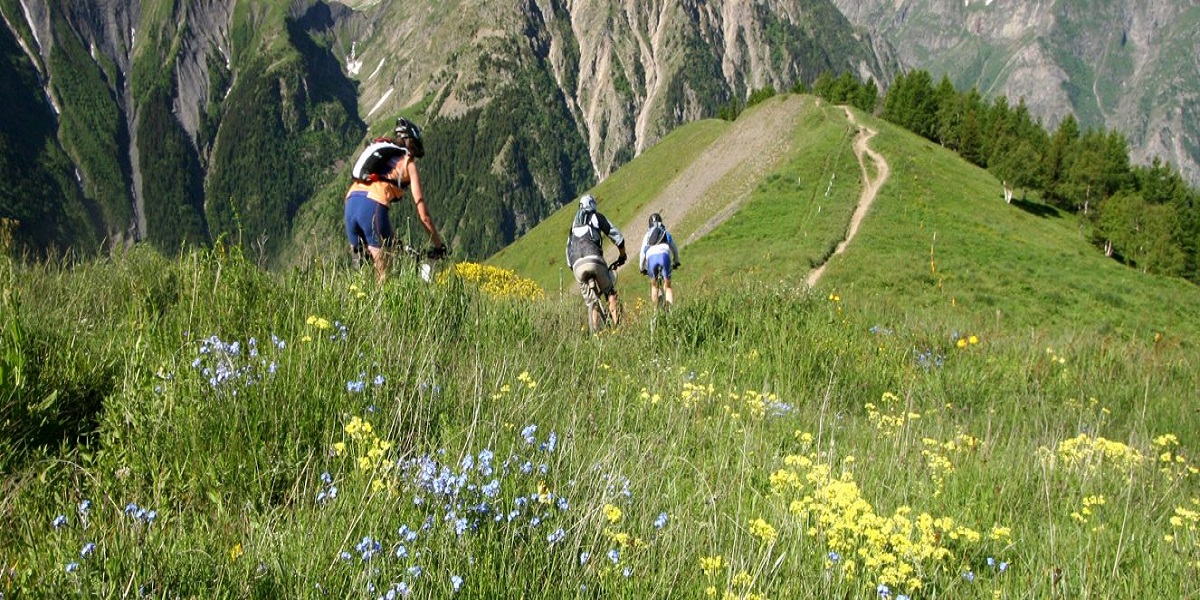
{"type": "Point", "coordinates": [871, 187]}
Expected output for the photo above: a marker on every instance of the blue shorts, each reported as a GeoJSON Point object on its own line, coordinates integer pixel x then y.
{"type": "Point", "coordinates": [659, 260]}
{"type": "Point", "coordinates": [367, 220]}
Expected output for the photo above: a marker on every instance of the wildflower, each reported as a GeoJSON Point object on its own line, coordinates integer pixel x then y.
{"type": "Point", "coordinates": [415, 571]}
{"type": "Point", "coordinates": [584, 557]}
{"type": "Point", "coordinates": [612, 513]}
{"type": "Point", "coordinates": [563, 503]}
{"type": "Point", "coordinates": [456, 582]}
{"type": "Point", "coordinates": [72, 567]}
{"type": "Point", "coordinates": [661, 521]}
{"type": "Point", "coordinates": [557, 536]}
{"type": "Point", "coordinates": [614, 555]}
{"type": "Point", "coordinates": [834, 557]}
{"type": "Point", "coordinates": [401, 551]}
{"type": "Point", "coordinates": [762, 530]}
{"type": "Point", "coordinates": [235, 552]}
{"type": "Point", "coordinates": [528, 432]}
{"type": "Point", "coordinates": [883, 590]}
{"type": "Point", "coordinates": [711, 564]}
{"type": "Point", "coordinates": [626, 572]}
{"type": "Point", "coordinates": [379, 380]}
{"type": "Point", "coordinates": [87, 550]}
{"type": "Point", "coordinates": [59, 521]}
{"type": "Point", "coordinates": [969, 576]}
{"type": "Point", "coordinates": [355, 386]}
{"type": "Point", "coordinates": [84, 507]}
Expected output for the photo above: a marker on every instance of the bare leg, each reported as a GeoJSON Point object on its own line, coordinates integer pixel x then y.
{"type": "Point", "coordinates": [654, 291]}
{"type": "Point", "coordinates": [668, 292]}
{"type": "Point", "coordinates": [379, 257]}
{"type": "Point", "coordinates": [612, 308]}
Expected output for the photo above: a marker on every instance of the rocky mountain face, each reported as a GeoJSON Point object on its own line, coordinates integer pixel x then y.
{"type": "Point", "coordinates": [1133, 67]}
{"type": "Point", "coordinates": [188, 122]}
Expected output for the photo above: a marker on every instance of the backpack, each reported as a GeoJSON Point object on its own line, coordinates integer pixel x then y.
{"type": "Point", "coordinates": [584, 239]}
{"type": "Point", "coordinates": [658, 235]}
{"type": "Point", "coordinates": [372, 163]}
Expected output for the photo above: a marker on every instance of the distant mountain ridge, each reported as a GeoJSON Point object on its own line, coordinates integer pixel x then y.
{"type": "Point", "coordinates": [184, 123]}
{"type": "Point", "coordinates": [1126, 66]}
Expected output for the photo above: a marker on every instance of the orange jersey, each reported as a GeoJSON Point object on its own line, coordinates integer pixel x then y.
{"type": "Point", "coordinates": [382, 192]}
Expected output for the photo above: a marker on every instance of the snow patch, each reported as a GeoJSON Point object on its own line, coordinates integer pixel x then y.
{"type": "Point", "coordinates": [377, 68]}
{"type": "Point", "coordinates": [353, 63]}
{"type": "Point", "coordinates": [386, 95]}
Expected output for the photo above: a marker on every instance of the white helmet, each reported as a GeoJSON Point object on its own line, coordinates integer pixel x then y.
{"type": "Point", "coordinates": [587, 202]}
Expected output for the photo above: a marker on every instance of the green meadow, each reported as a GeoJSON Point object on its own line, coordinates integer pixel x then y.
{"type": "Point", "coordinates": [972, 403]}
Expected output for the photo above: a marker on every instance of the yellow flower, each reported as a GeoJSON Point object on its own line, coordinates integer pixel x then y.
{"type": "Point", "coordinates": [762, 530]}
{"type": "Point", "coordinates": [742, 579]}
{"type": "Point", "coordinates": [711, 564]}
{"type": "Point", "coordinates": [339, 448]}
{"type": "Point", "coordinates": [973, 340]}
{"type": "Point", "coordinates": [235, 552]}
{"type": "Point", "coordinates": [612, 513]}
{"type": "Point", "coordinates": [711, 590]}
{"type": "Point", "coordinates": [962, 342]}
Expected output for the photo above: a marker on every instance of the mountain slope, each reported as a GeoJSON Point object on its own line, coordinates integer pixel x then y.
{"type": "Point", "coordinates": [938, 237]}
{"type": "Point", "coordinates": [191, 122]}
{"type": "Point", "coordinates": [1127, 66]}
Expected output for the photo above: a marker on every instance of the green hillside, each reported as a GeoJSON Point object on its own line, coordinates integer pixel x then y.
{"type": "Point", "coordinates": [939, 239]}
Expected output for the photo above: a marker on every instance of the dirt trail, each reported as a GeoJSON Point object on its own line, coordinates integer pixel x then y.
{"type": "Point", "coordinates": [724, 175]}
{"type": "Point", "coordinates": [870, 188]}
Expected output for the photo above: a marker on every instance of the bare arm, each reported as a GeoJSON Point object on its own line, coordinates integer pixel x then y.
{"type": "Point", "coordinates": [414, 186]}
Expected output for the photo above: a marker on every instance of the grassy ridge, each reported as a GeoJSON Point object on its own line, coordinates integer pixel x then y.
{"type": "Point", "coordinates": [941, 239]}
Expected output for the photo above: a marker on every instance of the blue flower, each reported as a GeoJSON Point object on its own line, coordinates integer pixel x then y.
{"type": "Point", "coordinates": [415, 571]}
{"type": "Point", "coordinates": [346, 556]}
{"type": "Point", "coordinates": [1003, 567]}
{"type": "Point", "coordinates": [355, 386]}
{"type": "Point", "coordinates": [456, 582]}
{"type": "Point", "coordinates": [326, 477]}
{"type": "Point", "coordinates": [551, 443]}
{"type": "Point", "coordinates": [563, 503]}
{"type": "Point", "coordinates": [614, 555]}
{"type": "Point", "coordinates": [584, 557]}
{"type": "Point", "coordinates": [87, 549]}
{"type": "Point", "coordinates": [969, 576]}
{"type": "Point", "coordinates": [528, 432]}
{"type": "Point", "coordinates": [460, 526]}
{"type": "Point", "coordinates": [991, 561]}
{"type": "Point", "coordinates": [72, 567]}
{"type": "Point", "coordinates": [59, 521]}
{"type": "Point", "coordinates": [557, 536]}
{"type": "Point", "coordinates": [491, 489]}
{"type": "Point", "coordinates": [380, 380]}
{"type": "Point", "coordinates": [626, 572]}
{"type": "Point", "coordinates": [883, 590]}
{"type": "Point", "coordinates": [834, 557]}
{"type": "Point", "coordinates": [661, 521]}
{"type": "Point", "coordinates": [401, 551]}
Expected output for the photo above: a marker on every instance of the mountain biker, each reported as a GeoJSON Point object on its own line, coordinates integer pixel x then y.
{"type": "Point", "coordinates": [586, 257]}
{"type": "Point", "coordinates": [383, 171]}
{"type": "Point", "coordinates": [659, 255]}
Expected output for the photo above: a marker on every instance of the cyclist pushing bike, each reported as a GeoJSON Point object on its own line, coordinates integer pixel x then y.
{"type": "Point", "coordinates": [585, 254]}
{"type": "Point", "coordinates": [658, 256]}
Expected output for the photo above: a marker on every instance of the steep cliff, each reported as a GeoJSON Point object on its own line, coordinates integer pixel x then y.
{"type": "Point", "coordinates": [1127, 66]}
{"type": "Point", "coordinates": [185, 122]}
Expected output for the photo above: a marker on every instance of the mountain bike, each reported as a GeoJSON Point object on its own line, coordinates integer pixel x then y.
{"type": "Point", "coordinates": [425, 261]}
{"type": "Point", "coordinates": [658, 281]}
{"type": "Point", "coordinates": [594, 298]}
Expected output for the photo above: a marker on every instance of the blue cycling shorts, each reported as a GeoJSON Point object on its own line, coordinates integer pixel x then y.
{"type": "Point", "coordinates": [659, 260]}
{"type": "Point", "coordinates": [367, 220]}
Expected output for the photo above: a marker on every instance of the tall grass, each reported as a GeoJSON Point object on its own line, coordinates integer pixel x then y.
{"type": "Point", "coordinates": [761, 441]}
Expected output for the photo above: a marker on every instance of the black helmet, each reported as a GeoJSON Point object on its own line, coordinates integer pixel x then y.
{"type": "Point", "coordinates": [655, 220]}
{"type": "Point", "coordinates": [407, 130]}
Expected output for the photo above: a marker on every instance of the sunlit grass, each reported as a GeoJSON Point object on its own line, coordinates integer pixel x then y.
{"type": "Point", "coordinates": [315, 434]}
